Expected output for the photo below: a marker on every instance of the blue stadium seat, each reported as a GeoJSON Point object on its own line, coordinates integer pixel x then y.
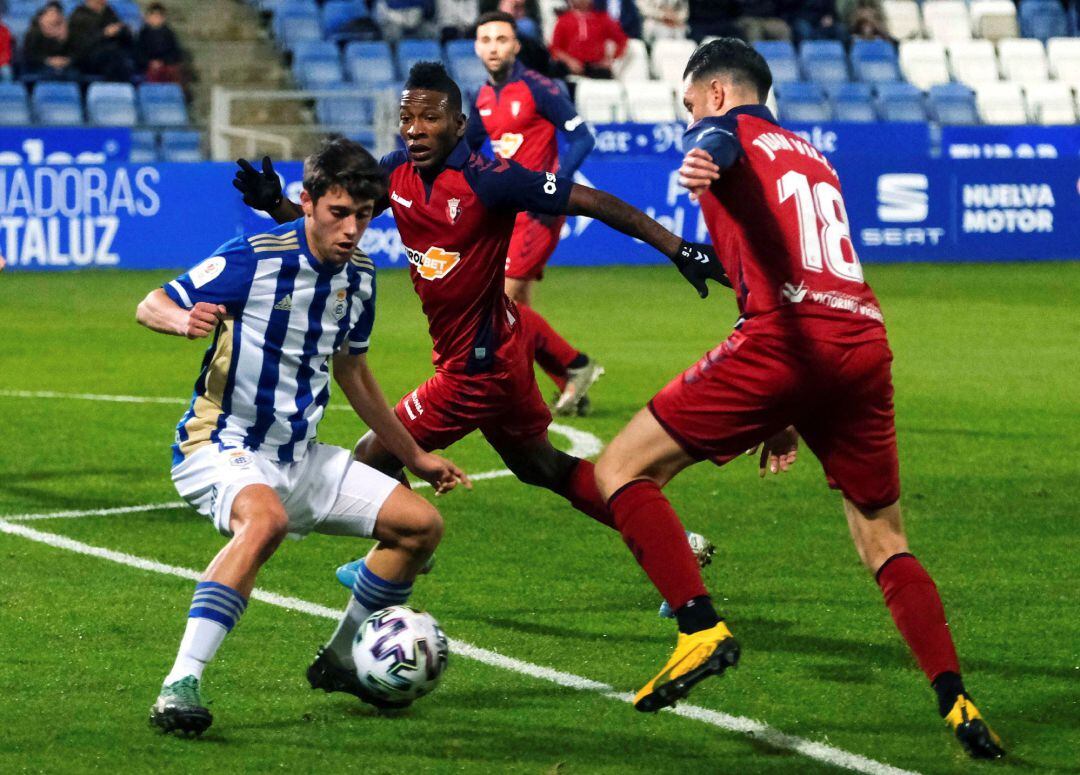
{"type": "Point", "coordinates": [780, 55]}
{"type": "Point", "coordinates": [874, 61]}
{"type": "Point", "coordinates": [410, 51]}
{"type": "Point", "coordinates": [900, 102]}
{"type": "Point", "coordinates": [18, 22]}
{"type": "Point", "coordinates": [349, 112]}
{"type": "Point", "coordinates": [1043, 19]}
{"type": "Point", "coordinates": [162, 104]}
{"type": "Point", "coordinates": [180, 145]}
{"type": "Point", "coordinates": [338, 14]}
{"type": "Point", "coordinates": [14, 105]}
{"type": "Point", "coordinates": [465, 66]}
{"type": "Point", "coordinates": [953, 103]}
{"type": "Point", "coordinates": [853, 102]}
{"type": "Point", "coordinates": [823, 61]}
{"type": "Point", "coordinates": [317, 64]}
{"type": "Point", "coordinates": [143, 147]}
{"type": "Point", "coordinates": [803, 102]}
{"type": "Point", "coordinates": [57, 102]}
{"type": "Point", "coordinates": [295, 30]}
{"type": "Point", "coordinates": [111, 104]}
{"type": "Point", "coordinates": [369, 63]}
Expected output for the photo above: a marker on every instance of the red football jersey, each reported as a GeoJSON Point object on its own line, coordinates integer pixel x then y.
{"type": "Point", "coordinates": [521, 117]}
{"type": "Point", "coordinates": [780, 228]}
{"type": "Point", "coordinates": [456, 231]}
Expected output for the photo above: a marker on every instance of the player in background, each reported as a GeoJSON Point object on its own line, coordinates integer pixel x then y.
{"type": "Point", "coordinates": [522, 112]}
{"type": "Point", "coordinates": [809, 358]}
{"type": "Point", "coordinates": [279, 306]}
{"type": "Point", "coordinates": [456, 211]}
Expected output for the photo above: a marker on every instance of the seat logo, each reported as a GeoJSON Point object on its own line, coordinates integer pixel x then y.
{"type": "Point", "coordinates": [434, 264]}
{"type": "Point", "coordinates": [903, 197]}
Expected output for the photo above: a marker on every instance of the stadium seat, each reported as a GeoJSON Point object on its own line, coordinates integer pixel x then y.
{"type": "Point", "coordinates": [293, 9]}
{"type": "Point", "coordinates": [410, 51]}
{"type": "Point", "coordinates": [994, 19]}
{"type": "Point", "coordinates": [952, 103]}
{"type": "Point", "coordinates": [874, 61]}
{"type": "Point", "coordinates": [111, 104]}
{"type": "Point", "coordinates": [634, 63]}
{"type": "Point", "coordinates": [338, 14]}
{"type": "Point", "coordinates": [823, 61]}
{"type": "Point", "coordinates": [601, 101]}
{"type": "Point", "coordinates": [57, 102]}
{"type": "Point", "coordinates": [853, 102]}
{"type": "Point", "coordinates": [946, 20]}
{"type": "Point", "coordinates": [802, 102]}
{"type": "Point", "coordinates": [923, 62]}
{"type": "Point", "coordinates": [900, 102]}
{"type": "Point", "coordinates": [973, 62]}
{"type": "Point", "coordinates": [1000, 103]}
{"type": "Point", "coordinates": [295, 30]}
{"type": "Point", "coordinates": [1050, 103]}
{"type": "Point", "coordinates": [317, 65]}
{"type": "Point", "coordinates": [18, 23]}
{"type": "Point", "coordinates": [162, 104]}
{"type": "Point", "coordinates": [1063, 54]}
{"type": "Point", "coordinates": [650, 101]}
{"type": "Point", "coordinates": [348, 112]}
{"type": "Point", "coordinates": [669, 58]}
{"type": "Point", "coordinates": [465, 66]}
{"type": "Point", "coordinates": [780, 55]}
{"type": "Point", "coordinates": [180, 145]}
{"type": "Point", "coordinates": [14, 105]}
{"type": "Point", "coordinates": [370, 63]}
{"type": "Point", "coordinates": [143, 147]}
{"type": "Point", "coordinates": [1043, 19]}
{"type": "Point", "coordinates": [1023, 60]}
{"type": "Point", "coordinates": [903, 19]}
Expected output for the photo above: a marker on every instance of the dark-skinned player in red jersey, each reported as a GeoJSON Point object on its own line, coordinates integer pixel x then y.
{"type": "Point", "coordinates": [456, 211]}
{"type": "Point", "coordinates": [810, 358]}
{"type": "Point", "coordinates": [522, 112]}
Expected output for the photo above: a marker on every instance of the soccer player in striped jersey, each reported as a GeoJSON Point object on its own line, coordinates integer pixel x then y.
{"type": "Point", "coordinates": [280, 306]}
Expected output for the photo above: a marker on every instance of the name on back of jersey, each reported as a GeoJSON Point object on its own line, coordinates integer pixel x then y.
{"type": "Point", "coordinates": [434, 263]}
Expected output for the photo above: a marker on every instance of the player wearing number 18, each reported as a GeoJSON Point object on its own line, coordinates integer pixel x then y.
{"type": "Point", "coordinates": [809, 358]}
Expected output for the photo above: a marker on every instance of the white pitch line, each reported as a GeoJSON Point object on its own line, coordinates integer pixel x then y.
{"type": "Point", "coordinates": [821, 752]}
{"type": "Point", "coordinates": [97, 512]}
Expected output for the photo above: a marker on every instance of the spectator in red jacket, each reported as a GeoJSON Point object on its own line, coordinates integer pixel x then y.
{"type": "Point", "coordinates": [587, 41]}
{"type": "Point", "coordinates": [6, 51]}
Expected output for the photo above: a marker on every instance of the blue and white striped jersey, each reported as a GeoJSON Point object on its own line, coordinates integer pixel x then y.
{"type": "Point", "coordinates": [265, 381]}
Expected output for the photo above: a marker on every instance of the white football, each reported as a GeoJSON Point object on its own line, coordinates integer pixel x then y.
{"type": "Point", "coordinates": [400, 653]}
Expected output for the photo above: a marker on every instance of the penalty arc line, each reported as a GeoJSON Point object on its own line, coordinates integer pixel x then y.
{"type": "Point", "coordinates": [821, 752]}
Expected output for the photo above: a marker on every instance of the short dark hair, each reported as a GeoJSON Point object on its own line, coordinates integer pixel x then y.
{"type": "Point", "coordinates": [343, 163]}
{"type": "Point", "coordinates": [432, 76]}
{"type": "Point", "coordinates": [732, 57]}
{"type": "Point", "coordinates": [155, 8]}
{"type": "Point", "coordinates": [497, 16]}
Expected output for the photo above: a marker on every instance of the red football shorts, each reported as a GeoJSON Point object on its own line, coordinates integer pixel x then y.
{"type": "Point", "coordinates": [506, 406]}
{"type": "Point", "coordinates": [531, 245]}
{"type": "Point", "coordinates": [838, 397]}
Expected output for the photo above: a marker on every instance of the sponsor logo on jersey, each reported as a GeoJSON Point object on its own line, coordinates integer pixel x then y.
{"type": "Point", "coordinates": [207, 271]}
{"type": "Point", "coordinates": [485, 111]}
{"type": "Point", "coordinates": [793, 294]}
{"type": "Point", "coordinates": [515, 107]}
{"type": "Point", "coordinates": [412, 405]}
{"type": "Point", "coordinates": [903, 197]}
{"type": "Point", "coordinates": [434, 264]}
{"type": "Point", "coordinates": [507, 145]}
{"type": "Point", "coordinates": [550, 185]}
{"type": "Point", "coordinates": [285, 304]}
{"type": "Point", "coordinates": [340, 305]}
{"type": "Point", "coordinates": [573, 123]}
{"type": "Point", "coordinates": [453, 209]}
{"type": "Point", "coordinates": [400, 200]}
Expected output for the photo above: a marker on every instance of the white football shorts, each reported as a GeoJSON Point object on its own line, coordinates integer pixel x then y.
{"type": "Point", "coordinates": [326, 491]}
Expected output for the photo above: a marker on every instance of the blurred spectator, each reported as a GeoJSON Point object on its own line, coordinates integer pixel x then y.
{"type": "Point", "coordinates": [46, 48]}
{"type": "Point", "coordinates": [816, 20]}
{"type": "Point", "coordinates": [404, 18]}
{"type": "Point", "coordinates": [864, 19]}
{"type": "Point", "coordinates": [527, 22]}
{"type": "Point", "coordinates": [760, 20]}
{"type": "Point", "coordinates": [101, 43]}
{"type": "Point", "coordinates": [625, 12]}
{"type": "Point", "coordinates": [7, 48]}
{"type": "Point", "coordinates": [157, 51]}
{"type": "Point", "coordinates": [586, 41]}
{"type": "Point", "coordinates": [456, 18]}
{"type": "Point", "coordinates": [664, 19]}
{"type": "Point", "coordinates": [710, 18]}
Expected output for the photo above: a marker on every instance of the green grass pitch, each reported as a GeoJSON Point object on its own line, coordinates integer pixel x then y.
{"type": "Point", "coordinates": [987, 403]}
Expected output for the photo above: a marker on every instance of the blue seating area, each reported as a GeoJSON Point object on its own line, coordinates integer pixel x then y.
{"type": "Point", "coordinates": [61, 103]}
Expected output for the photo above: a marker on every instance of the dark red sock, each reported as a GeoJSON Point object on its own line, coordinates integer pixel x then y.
{"type": "Point", "coordinates": [916, 608]}
{"type": "Point", "coordinates": [580, 489]}
{"type": "Point", "coordinates": [550, 350]}
{"type": "Point", "coordinates": [652, 531]}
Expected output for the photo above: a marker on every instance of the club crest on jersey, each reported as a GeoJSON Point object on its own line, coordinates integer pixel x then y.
{"type": "Point", "coordinates": [239, 458]}
{"type": "Point", "coordinates": [434, 264]}
{"type": "Point", "coordinates": [453, 209]}
{"type": "Point", "coordinates": [507, 145]}
{"type": "Point", "coordinates": [340, 305]}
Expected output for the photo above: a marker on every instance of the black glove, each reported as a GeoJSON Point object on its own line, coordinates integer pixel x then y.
{"type": "Point", "coordinates": [697, 262]}
{"type": "Point", "coordinates": [261, 190]}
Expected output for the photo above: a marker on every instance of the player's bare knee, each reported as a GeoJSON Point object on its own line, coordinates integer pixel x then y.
{"type": "Point", "coordinates": [424, 531]}
{"type": "Point", "coordinates": [264, 530]}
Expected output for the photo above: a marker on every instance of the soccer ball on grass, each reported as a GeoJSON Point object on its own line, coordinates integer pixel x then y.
{"type": "Point", "coordinates": [400, 654]}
